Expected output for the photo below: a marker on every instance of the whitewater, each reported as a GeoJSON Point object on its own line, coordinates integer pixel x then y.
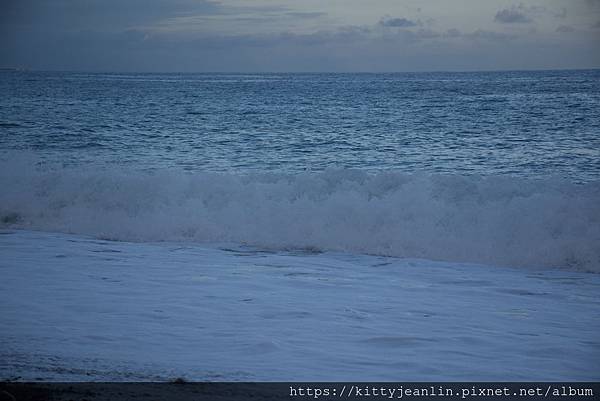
{"type": "Point", "coordinates": [152, 276]}
{"type": "Point", "coordinates": [493, 220]}
{"type": "Point", "coordinates": [78, 309]}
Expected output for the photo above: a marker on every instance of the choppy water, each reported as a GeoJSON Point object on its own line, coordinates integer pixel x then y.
{"type": "Point", "coordinates": [528, 124]}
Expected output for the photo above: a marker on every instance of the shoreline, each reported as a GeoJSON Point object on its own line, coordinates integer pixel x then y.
{"type": "Point", "coordinates": [84, 309]}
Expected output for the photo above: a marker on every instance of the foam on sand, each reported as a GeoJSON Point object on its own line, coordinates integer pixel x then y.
{"type": "Point", "coordinates": [78, 308]}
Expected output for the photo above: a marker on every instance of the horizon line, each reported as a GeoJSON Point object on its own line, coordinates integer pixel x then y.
{"type": "Point", "coordinates": [83, 71]}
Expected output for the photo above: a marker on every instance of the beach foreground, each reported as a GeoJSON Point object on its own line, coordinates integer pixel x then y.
{"type": "Point", "coordinates": [77, 308]}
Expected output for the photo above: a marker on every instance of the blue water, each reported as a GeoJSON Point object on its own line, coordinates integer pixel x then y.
{"type": "Point", "coordinates": [383, 174]}
{"type": "Point", "coordinates": [499, 168]}
{"type": "Point", "coordinates": [526, 124]}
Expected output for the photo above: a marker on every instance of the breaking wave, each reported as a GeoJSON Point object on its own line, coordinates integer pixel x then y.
{"type": "Point", "coordinates": [493, 220]}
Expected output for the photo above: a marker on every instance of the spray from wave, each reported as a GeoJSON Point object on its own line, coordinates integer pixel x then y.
{"type": "Point", "coordinates": [494, 220]}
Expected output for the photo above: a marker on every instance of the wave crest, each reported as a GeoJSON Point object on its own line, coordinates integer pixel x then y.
{"type": "Point", "coordinates": [494, 220]}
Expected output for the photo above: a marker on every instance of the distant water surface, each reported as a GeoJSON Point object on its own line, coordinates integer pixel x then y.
{"type": "Point", "coordinates": [528, 124]}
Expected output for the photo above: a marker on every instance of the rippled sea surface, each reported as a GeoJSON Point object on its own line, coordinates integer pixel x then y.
{"type": "Point", "coordinates": [528, 124]}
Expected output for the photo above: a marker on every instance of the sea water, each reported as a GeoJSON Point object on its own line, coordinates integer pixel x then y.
{"type": "Point", "coordinates": [495, 167]}
{"type": "Point", "coordinates": [523, 124]}
{"type": "Point", "coordinates": [425, 226]}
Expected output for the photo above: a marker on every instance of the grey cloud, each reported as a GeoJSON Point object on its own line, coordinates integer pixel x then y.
{"type": "Point", "coordinates": [111, 35]}
{"type": "Point", "coordinates": [452, 33]}
{"type": "Point", "coordinates": [251, 15]}
{"type": "Point", "coordinates": [514, 15]}
{"type": "Point", "coordinates": [398, 22]}
{"type": "Point", "coordinates": [352, 48]}
{"type": "Point", "coordinates": [561, 14]}
{"type": "Point", "coordinates": [428, 34]}
{"type": "Point", "coordinates": [344, 35]}
{"type": "Point", "coordinates": [102, 15]}
{"type": "Point", "coordinates": [481, 34]}
{"type": "Point", "coordinates": [565, 29]}
{"type": "Point", "coordinates": [307, 15]}
{"type": "Point", "coordinates": [116, 15]}
{"type": "Point", "coordinates": [525, 14]}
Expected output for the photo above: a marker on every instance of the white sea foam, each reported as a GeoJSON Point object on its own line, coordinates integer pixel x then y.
{"type": "Point", "coordinates": [139, 311]}
{"type": "Point", "coordinates": [494, 220]}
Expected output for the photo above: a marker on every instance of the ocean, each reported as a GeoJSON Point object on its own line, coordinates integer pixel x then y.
{"type": "Point", "coordinates": [300, 226]}
{"type": "Point", "coordinates": [535, 124]}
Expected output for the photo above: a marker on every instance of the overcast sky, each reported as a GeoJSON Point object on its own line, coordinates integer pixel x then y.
{"type": "Point", "coordinates": [299, 35]}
